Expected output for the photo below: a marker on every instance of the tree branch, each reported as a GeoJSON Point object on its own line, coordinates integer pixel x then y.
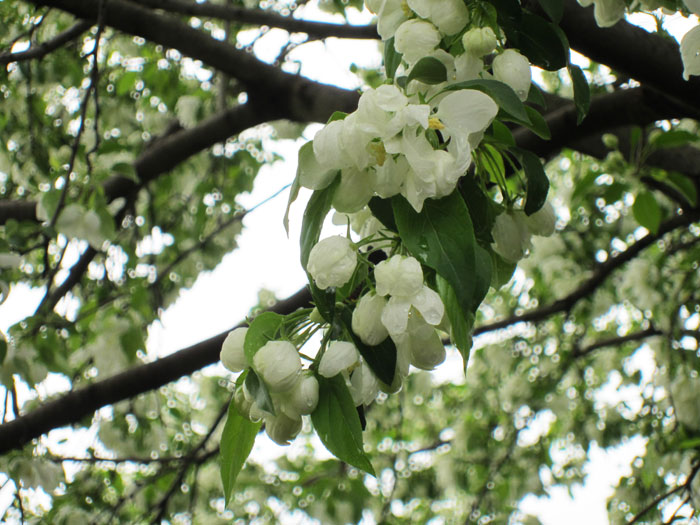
{"type": "Point", "coordinates": [286, 95]}
{"type": "Point", "coordinates": [649, 58]}
{"type": "Point", "coordinates": [43, 49]}
{"type": "Point", "coordinates": [260, 17]}
{"type": "Point", "coordinates": [599, 275]}
{"type": "Point", "coordinates": [72, 407]}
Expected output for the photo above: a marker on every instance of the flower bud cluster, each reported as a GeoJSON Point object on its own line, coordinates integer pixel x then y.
{"type": "Point", "coordinates": [293, 391]}
{"type": "Point", "coordinates": [513, 229]}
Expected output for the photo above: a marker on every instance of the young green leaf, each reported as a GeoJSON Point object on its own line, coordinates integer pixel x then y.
{"type": "Point", "coordinates": [537, 181]}
{"type": "Point", "coordinates": [461, 322]}
{"type": "Point", "coordinates": [539, 41]}
{"type": "Point", "coordinates": [441, 236]}
{"type": "Point", "coordinates": [538, 125]}
{"type": "Point", "coordinates": [381, 209]}
{"type": "Point", "coordinates": [262, 329]}
{"type": "Point", "coordinates": [428, 70]}
{"type": "Point", "coordinates": [237, 441]}
{"type": "Point", "coordinates": [316, 210]}
{"type": "Point", "coordinates": [582, 92]}
{"type": "Point", "coordinates": [647, 211]}
{"type": "Point", "coordinates": [553, 8]}
{"type": "Point", "coordinates": [685, 185]}
{"type": "Point", "coordinates": [338, 425]}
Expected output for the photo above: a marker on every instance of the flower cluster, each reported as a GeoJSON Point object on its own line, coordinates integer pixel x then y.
{"type": "Point", "coordinates": [293, 391]}
{"type": "Point", "coordinates": [416, 139]}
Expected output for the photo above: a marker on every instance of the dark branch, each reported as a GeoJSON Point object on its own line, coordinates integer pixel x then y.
{"type": "Point", "coordinates": [72, 407]}
{"type": "Point", "coordinates": [43, 49]}
{"type": "Point", "coordinates": [649, 58]}
{"type": "Point", "coordinates": [601, 273]}
{"type": "Point", "coordinates": [260, 17]}
{"type": "Point", "coordinates": [288, 96]}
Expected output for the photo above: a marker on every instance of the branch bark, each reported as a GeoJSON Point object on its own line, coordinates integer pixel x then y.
{"type": "Point", "coordinates": [260, 17]}
{"type": "Point", "coordinates": [43, 49]}
{"type": "Point", "coordinates": [72, 407]}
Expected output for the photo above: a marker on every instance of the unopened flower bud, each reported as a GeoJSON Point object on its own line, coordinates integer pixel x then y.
{"type": "Point", "coordinates": [303, 398]}
{"type": "Point", "coordinates": [479, 41]}
{"type": "Point", "coordinates": [243, 404]}
{"type": "Point", "coordinates": [279, 365]}
{"type": "Point", "coordinates": [332, 262]}
{"type": "Point", "coordinates": [399, 276]}
{"type": "Point", "coordinates": [512, 68]}
{"type": "Point", "coordinates": [339, 356]}
{"type": "Point", "coordinates": [282, 429]}
{"type": "Point", "coordinates": [232, 354]}
{"type": "Point", "coordinates": [542, 221]}
{"type": "Point", "coordinates": [423, 344]}
{"type": "Point", "coordinates": [364, 385]}
{"type": "Point", "coordinates": [367, 319]}
{"type": "Point", "coordinates": [511, 235]}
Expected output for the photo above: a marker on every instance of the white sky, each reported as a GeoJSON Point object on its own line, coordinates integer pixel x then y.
{"type": "Point", "coordinates": [267, 259]}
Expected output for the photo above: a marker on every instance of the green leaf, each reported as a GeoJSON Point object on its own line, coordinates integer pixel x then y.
{"type": "Point", "coordinates": [392, 58]}
{"type": "Point", "coordinates": [537, 181]}
{"type": "Point", "coordinates": [265, 327]}
{"type": "Point", "coordinates": [535, 96]}
{"type": "Point", "coordinates": [482, 209]}
{"type": "Point", "coordinates": [428, 70]}
{"type": "Point", "coordinates": [501, 271]}
{"type": "Point", "coordinates": [237, 441]}
{"type": "Point", "coordinates": [501, 93]}
{"type": "Point", "coordinates": [502, 134]}
{"type": "Point", "coordinates": [553, 8]}
{"type": "Point", "coordinates": [647, 211]}
{"type": "Point", "coordinates": [461, 322]}
{"type": "Point", "coordinates": [582, 92]}
{"type": "Point", "coordinates": [258, 390]}
{"type": "Point", "coordinates": [316, 210]}
{"type": "Point", "coordinates": [538, 124]}
{"type": "Point", "coordinates": [337, 115]}
{"type": "Point", "coordinates": [539, 41]}
{"type": "Point", "coordinates": [441, 236]}
{"type": "Point", "coordinates": [673, 139]}
{"type": "Point", "coordinates": [293, 194]}
{"type": "Point", "coordinates": [338, 425]}
{"type": "Point", "coordinates": [685, 185]}
{"type": "Point", "coordinates": [380, 358]}
{"type": "Point", "coordinates": [323, 299]}
{"type": "Point", "coordinates": [382, 210]}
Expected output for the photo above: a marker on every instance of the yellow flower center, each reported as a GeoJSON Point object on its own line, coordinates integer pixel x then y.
{"type": "Point", "coordinates": [378, 152]}
{"type": "Point", "coordinates": [435, 123]}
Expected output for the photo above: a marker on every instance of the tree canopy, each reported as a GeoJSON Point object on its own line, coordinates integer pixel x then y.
{"type": "Point", "coordinates": [519, 183]}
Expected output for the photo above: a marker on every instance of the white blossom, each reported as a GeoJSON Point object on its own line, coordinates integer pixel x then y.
{"type": "Point", "coordinates": [282, 429]}
{"type": "Point", "coordinates": [606, 12]}
{"type": "Point", "coordinates": [415, 39]}
{"type": "Point", "coordinates": [339, 356]}
{"type": "Point", "coordinates": [279, 365]}
{"type": "Point", "coordinates": [449, 16]}
{"type": "Point", "coordinates": [690, 52]}
{"type": "Point", "coordinates": [542, 221]}
{"type": "Point", "coordinates": [479, 41]}
{"type": "Point", "coordinates": [232, 354]}
{"type": "Point", "coordinates": [512, 68]}
{"type": "Point", "coordinates": [422, 342]}
{"type": "Point", "coordinates": [364, 385]}
{"type": "Point", "coordinates": [302, 399]}
{"type": "Point", "coordinates": [76, 222]}
{"type": "Point", "coordinates": [332, 262]}
{"type": "Point", "coordinates": [391, 14]}
{"type": "Point", "coordinates": [399, 276]}
{"type": "Point", "coordinates": [511, 235]}
{"type": "Point", "coordinates": [367, 319]}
